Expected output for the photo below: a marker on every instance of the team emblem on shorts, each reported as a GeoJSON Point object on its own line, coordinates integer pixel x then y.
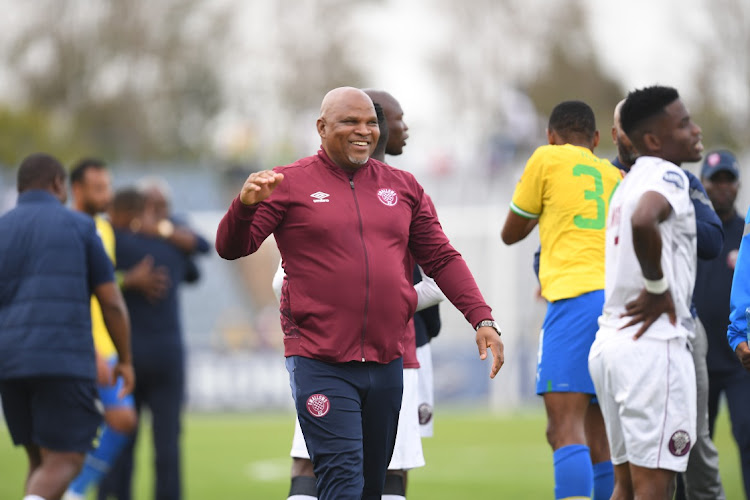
{"type": "Point", "coordinates": [318, 405]}
{"type": "Point", "coordinates": [425, 413]}
{"type": "Point", "coordinates": [387, 197]}
{"type": "Point", "coordinates": [679, 443]}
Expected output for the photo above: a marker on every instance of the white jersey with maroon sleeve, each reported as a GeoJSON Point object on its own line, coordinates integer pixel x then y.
{"type": "Point", "coordinates": [624, 279]}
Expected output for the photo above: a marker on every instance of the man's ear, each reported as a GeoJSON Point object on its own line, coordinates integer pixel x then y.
{"type": "Point", "coordinates": [321, 125]}
{"type": "Point", "coordinates": [61, 190]}
{"type": "Point", "coordinates": [652, 142]}
{"type": "Point", "coordinates": [596, 139]}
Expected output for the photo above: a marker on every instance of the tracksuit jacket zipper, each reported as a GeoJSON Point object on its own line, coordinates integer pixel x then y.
{"type": "Point", "coordinates": [367, 268]}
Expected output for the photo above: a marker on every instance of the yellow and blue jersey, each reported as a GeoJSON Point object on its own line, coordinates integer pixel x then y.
{"type": "Point", "coordinates": [102, 341]}
{"type": "Point", "coordinates": [568, 189]}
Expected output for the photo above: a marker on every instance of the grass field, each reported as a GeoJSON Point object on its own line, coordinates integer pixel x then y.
{"type": "Point", "coordinates": [477, 456]}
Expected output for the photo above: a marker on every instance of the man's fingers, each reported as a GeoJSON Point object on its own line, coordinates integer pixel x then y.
{"type": "Point", "coordinates": [482, 345]}
{"type": "Point", "coordinates": [644, 327]}
{"type": "Point", "coordinates": [499, 357]}
{"type": "Point", "coordinates": [147, 262]}
{"type": "Point", "coordinates": [633, 321]}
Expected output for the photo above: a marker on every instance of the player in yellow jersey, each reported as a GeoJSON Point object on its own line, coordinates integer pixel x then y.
{"type": "Point", "coordinates": [92, 193]}
{"type": "Point", "coordinates": [566, 189]}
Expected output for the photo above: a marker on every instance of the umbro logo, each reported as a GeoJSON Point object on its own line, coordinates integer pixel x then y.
{"type": "Point", "coordinates": [320, 197]}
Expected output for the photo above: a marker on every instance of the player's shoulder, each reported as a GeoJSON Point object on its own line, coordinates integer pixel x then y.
{"type": "Point", "coordinates": [298, 166]}
{"type": "Point", "coordinates": [674, 175]}
{"type": "Point", "coordinates": [390, 173]}
{"type": "Point", "coordinates": [79, 218]}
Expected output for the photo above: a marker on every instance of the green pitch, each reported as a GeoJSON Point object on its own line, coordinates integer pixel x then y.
{"type": "Point", "coordinates": [478, 456]}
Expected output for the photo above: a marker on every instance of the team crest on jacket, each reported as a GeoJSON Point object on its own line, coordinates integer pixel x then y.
{"type": "Point", "coordinates": [679, 443]}
{"type": "Point", "coordinates": [318, 405]}
{"type": "Point", "coordinates": [387, 197]}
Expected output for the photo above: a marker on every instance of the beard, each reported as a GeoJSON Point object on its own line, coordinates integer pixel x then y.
{"type": "Point", "coordinates": [627, 155]}
{"type": "Point", "coordinates": [359, 161]}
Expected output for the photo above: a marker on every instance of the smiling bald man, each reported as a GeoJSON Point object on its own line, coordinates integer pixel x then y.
{"type": "Point", "coordinates": [344, 224]}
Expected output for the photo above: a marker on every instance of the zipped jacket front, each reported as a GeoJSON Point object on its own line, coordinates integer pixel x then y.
{"type": "Point", "coordinates": [343, 238]}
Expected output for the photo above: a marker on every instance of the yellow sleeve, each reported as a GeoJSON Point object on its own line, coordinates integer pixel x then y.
{"type": "Point", "coordinates": [102, 341]}
{"type": "Point", "coordinates": [527, 198]}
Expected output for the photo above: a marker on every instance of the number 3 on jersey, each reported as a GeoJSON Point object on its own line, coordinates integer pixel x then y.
{"type": "Point", "coordinates": [594, 195]}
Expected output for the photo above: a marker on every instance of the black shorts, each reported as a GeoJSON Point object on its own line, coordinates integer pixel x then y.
{"type": "Point", "coordinates": [56, 413]}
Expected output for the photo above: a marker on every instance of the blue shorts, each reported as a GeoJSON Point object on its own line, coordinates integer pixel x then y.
{"type": "Point", "coordinates": [56, 413]}
{"type": "Point", "coordinates": [568, 331]}
{"type": "Point", "coordinates": [108, 393]}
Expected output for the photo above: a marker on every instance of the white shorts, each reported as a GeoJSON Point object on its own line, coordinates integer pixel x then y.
{"type": "Point", "coordinates": [407, 453]}
{"type": "Point", "coordinates": [646, 391]}
{"type": "Point", "coordinates": [426, 395]}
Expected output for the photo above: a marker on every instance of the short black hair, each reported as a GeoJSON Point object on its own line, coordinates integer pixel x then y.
{"type": "Point", "coordinates": [573, 117]}
{"type": "Point", "coordinates": [642, 105]}
{"type": "Point", "coordinates": [39, 171]}
{"type": "Point", "coordinates": [128, 199]}
{"type": "Point", "coordinates": [79, 170]}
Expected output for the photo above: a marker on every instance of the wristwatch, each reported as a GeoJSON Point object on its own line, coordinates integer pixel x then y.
{"type": "Point", "coordinates": [491, 324]}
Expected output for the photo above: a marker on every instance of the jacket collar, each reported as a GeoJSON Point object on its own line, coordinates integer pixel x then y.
{"type": "Point", "coordinates": [37, 196]}
{"type": "Point", "coordinates": [332, 166]}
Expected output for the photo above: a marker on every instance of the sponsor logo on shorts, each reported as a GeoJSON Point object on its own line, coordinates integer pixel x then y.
{"type": "Point", "coordinates": [387, 197]}
{"type": "Point", "coordinates": [425, 413]}
{"type": "Point", "coordinates": [318, 405]}
{"type": "Point", "coordinates": [679, 443]}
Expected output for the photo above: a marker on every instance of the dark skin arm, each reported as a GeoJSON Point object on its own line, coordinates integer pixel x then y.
{"type": "Point", "coordinates": [116, 318]}
{"type": "Point", "coordinates": [652, 209]}
{"type": "Point", "coordinates": [516, 228]}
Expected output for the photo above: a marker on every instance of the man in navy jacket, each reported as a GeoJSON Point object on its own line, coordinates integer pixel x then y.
{"type": "Point", "coordinates": [52, 261]}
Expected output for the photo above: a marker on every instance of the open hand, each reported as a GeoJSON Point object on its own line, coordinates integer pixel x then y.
{"type": "Point", "coordinates": [259, 186]}
{"type": "Point", "coordinates": [487, 337]}
{"type": "Point", "coordinates": [647, 308]}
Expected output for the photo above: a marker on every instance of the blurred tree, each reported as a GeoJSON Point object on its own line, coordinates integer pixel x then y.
{"type": "Point", "coordinates": [550, 59]}
{"type": "Point", "coordinates": [133, 78]}
{"type": "Point", "coordinates": [571, 71]}
{"type": "Point", "coordinates": [319, 57]}
{"type": "Point", "coordinates": [723, 80]}
{"type": "Point", "coordinates": [32, 130]}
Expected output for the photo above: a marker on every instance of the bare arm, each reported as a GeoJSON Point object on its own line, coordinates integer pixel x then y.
{"type": "Point", "coordinates": [516, 228]}
{"type": "Point", "coordinates": [652, 210]}
{"type": "Point", "coordinates": [116, 319]}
